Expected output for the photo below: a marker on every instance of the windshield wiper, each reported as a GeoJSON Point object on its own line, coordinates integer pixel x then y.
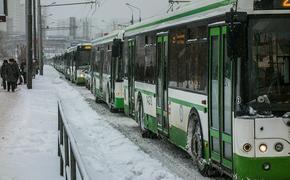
{"type": "Point", "coordinates": [260, 106]}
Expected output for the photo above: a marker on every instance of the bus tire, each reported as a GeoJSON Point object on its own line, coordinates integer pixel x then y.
{"type": "Point", "coordinates": [97, 100]}
{"type": "Point", "coordinates": [195, 145]}
{"type": "Point", "coordinates": [140, 119]}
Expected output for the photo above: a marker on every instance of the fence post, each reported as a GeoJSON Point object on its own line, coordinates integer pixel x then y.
{"type": "Point", "coordinates": [70, 160]}
{"type": "Point", "coordinates": [72, 165]}
{"type": "Point", "coordinates": [59, 121]}
{"type": "Point", "coordinates": [66, 151]}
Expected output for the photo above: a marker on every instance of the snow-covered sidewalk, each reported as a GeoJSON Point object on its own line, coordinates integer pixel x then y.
{"type": "Point", "coordinates": [28, 147]}
{"type": "Point", "coordinates": [28, 133]}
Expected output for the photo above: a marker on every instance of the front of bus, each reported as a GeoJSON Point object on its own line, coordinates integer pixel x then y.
{"type": "Point", "coordinates": [83, 63]}
{"type": "Point", "coordinates": [262, 102]}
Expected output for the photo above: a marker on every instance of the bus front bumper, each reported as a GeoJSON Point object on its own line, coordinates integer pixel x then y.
{"type": "Point", "coordinates": [261, 168]}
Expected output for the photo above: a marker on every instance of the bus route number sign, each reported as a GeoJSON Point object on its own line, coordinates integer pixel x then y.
{"type": "Point", "coordinates": [272, 5]}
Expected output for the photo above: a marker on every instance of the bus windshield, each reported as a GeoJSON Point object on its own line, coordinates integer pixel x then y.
{"type": "Point", "coordinates": [266, 86]}
{"type": "Point", "coordinates": [84, 58]}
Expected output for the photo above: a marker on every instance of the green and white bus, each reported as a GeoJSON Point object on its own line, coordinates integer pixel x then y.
{"type": "Point", "coordinates": [107, 81]}
{"type": "Point", "coordinates": [77, 62]}
{"type": "Point", "coordinates": [214, 79]}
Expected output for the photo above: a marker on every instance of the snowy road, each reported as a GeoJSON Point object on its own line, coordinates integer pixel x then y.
{"type": "Point", "coordinates": [169, 155]}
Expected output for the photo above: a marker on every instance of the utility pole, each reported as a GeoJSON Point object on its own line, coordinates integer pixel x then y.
{"type": "Point", "coordinates": [35, 52]}
{"type": "Point", "coordinates": [40, 28]}
{"type": "Point", "coordinates": [40, 48]}
{"type": "Point", "coordinates": [135, 7]}
{"type": "Point", "coordinates": [29, 42]}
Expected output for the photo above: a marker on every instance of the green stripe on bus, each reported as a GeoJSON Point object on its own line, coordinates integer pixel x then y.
{"type": "Point", "coordinates": [214, 133]}
{"type": "Point", "coordinates": [227, 163]}
{"type": "Point", "coordinates": [188, 104]}
{"type": "Point", "coordinates": [185, 14]}
{"type": "Point", "coordinates": [227, 138]}
{"type": "Point", "coordinates": [252, 168]}
{"type": "Point", "coordinates": [145, 92]}
{"type": "Point", "coordinates": [119, 103]}
{"type": "Point", "coordinates": [178, 137]}
{"type": "Point", "coordinates": [151, 123]}
{"type": "Point", "coordinates": [215, 156]}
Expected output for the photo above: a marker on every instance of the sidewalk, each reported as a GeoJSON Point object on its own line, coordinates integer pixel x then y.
{"type": "Point", "coordinates": [28, 133]}
{"type": "Point", "coordinates": [29, 127]}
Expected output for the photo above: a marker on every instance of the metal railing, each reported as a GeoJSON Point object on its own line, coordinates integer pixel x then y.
{"type": "Point", "coordinates": [71, 164]}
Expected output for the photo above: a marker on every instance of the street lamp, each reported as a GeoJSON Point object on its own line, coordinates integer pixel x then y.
{"type": "Point", "coordinates": [132, 20]}
{"type": "Point", "coordinates": [135, 7]}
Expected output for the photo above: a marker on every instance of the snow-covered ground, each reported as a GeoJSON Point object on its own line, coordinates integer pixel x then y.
{"type": "Point", "coordinates": [28, 133]}
{"type": "Point", "coordinates": [28, 136]}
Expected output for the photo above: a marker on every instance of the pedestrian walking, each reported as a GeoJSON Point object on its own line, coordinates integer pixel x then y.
{"type": "Point", "coordinates": [12, 75]}
{"type": "Point", "coordinates": [34, 69]}
{"type": "Point", "coordinates": [3, 71]}
{"type": "Point", "coordinates": [23, 71]}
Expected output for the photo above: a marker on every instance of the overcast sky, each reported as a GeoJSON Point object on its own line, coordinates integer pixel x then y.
{"type": "Point", "coordinates": [109, 10]}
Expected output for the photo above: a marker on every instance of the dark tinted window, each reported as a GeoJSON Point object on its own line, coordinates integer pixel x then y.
{"type": "Point", "coordinates": [177, 67]}
{"type": "Point", "coordinates": [125, 58]}
{"type": "Point", "coordinates": [197, 59]}
{"type": "Point", "coordinates": [150, 59]}
{"type": "Point", "coordinates": [188, 59]}
{"type": "Point", "coordinates": [140, 58]}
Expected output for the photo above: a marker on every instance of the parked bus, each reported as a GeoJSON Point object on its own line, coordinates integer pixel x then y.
{"type": "Point", "coordinates": [107, 70]}
{"type": "Point", "coordinates": [214, 79]}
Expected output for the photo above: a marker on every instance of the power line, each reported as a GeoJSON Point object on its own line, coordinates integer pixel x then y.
{"type": "Point", "coordinates": [69, 4]}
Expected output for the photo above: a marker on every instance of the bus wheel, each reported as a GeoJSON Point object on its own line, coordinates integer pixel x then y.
{"type": "Point", "coordinates": [196, 146]}
{"type": "Point", "coordinates": [140, 119]}
{"type": "Point", "coordinates": [97, 100]}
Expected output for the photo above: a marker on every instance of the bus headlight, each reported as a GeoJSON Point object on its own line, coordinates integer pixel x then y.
{"type": "Point", "coordinates": [263, 148]}
{"type": "Point", "coordinates": [279, 147]}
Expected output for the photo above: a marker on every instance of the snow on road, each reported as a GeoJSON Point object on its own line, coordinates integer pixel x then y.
{"type": "Point", "coordinates": [28, 137]}
{"type": "Point", "coordinates": [107, 153]}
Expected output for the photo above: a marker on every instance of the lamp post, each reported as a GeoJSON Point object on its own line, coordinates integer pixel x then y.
{"type": "Point", "coordinates": [40, 36]}
{"type": "Point", "coordinates": [40, 28]}
{"type": "Point", "coordinates": [135, 7]}
{"type": "Point", "coordinates": [28, 4]}
{"type": "Point", "coordinates": [132, 19]}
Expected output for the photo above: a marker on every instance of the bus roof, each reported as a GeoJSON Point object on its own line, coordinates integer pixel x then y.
{"type": "Point", "coordinates": [118, 34]}
{"type": "Point", "coordinates": [74, 48]}
{"type": "Point", "coordinates": [194, 11]}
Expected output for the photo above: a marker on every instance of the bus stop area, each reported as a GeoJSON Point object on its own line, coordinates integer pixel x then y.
{"type": "Point", "coordinates": [29, 138]}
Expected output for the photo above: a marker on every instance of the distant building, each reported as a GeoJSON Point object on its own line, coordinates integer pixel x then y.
{"type": "Point", "coordinates": [3, 13]}
{"type": "Point", "coordinates": [16, 17]}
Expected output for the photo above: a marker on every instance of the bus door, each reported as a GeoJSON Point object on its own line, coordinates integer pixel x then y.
{"type": "Point", "coordinates": [102, 58]}
{"type": "Point", "coordinates": [220, 99]}
{"type": "Point", "coordinates": [161, 86]}
{"type": "Point", "coordinates": [113, 78]}
{"type": "Point", "coordinates": [131, 78]}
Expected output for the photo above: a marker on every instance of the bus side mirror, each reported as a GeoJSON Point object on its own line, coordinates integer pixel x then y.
{"type": "Point", "coordinates": [236, 38]}
{"type": "Point", "coordinates": [116, 48]}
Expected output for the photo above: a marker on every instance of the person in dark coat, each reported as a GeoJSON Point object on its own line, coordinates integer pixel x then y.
{"type": "Point", "coordinates": [12, 75]}
{"type": "Point", "coordinates": [23, 70]}
{"type": "Point", "coordinates": [3, 71]}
